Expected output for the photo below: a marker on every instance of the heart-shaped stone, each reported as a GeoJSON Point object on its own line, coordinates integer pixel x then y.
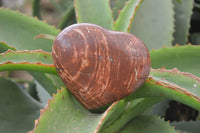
{"type": "Point", "coordinates": [99, 66]}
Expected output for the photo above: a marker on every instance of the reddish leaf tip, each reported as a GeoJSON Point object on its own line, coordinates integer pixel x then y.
{"type": "Point", "coordinates": [177, 45]}
{"type": "Point", "coordinates": [104, 116]}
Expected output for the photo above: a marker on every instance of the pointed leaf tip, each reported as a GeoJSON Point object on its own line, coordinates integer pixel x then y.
{"type": "Point", "coordinates": [126, 15]}
{"type": "Point", "coordinates": [45, 36]}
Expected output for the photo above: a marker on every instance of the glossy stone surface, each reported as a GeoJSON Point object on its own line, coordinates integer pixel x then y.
{"type": "Point", "coordinates": [99, 66]}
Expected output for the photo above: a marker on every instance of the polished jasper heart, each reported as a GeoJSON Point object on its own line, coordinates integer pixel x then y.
{"type": "Point", "coordinates": [99, 66]}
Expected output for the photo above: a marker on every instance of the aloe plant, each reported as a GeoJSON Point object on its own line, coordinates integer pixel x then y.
{"type": "Point", "coordinates": [46, 105]}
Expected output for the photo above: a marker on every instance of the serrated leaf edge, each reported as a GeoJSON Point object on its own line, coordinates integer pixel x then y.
{"type": "Point", "coordinates": [166, 84]}
{"type": "Point", "coordinates": [175, 46]}
{"type": "Point", "coordinates": [104, 117]}
{"type": "Point", "coordinates": [26, 51]}
{"type": "Point", "coordinates": [175, 71]}
{"type": "Point", "coordinates": [58, 91]}
{"type": "Point", "coordinates": [131, 18]}
{"type": "Point", "coordinates": [12, 48]}
{"type": "Point", "coordinates": [47, 106]}
{"type": "Point", "coordinates": [26, 62]}
{"type": "Point", "coordinates": [17, 11]}
{"type": "Point", "coordinates": [167, 122]}
{"type": "Point", "coordinates": [188, 26]}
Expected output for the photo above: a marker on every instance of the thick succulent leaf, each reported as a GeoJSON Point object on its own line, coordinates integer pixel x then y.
{"type": "Point", "coordinates": [55, 80]}
{"type": "Point", "coordinates": [38, 92]}
{"type": "Point", "coordinates": [18, 31]}
{"type": "Point", "coordinates": [126, 16]}
{"type": "Point", "coordinates": [4, 47]}
{"type": "Point", "coordinates": [153, 87]}
{"type": "Point", "coordinates": [171, 84]}
{"type": "Point", "coordinates": [116, 6]}
{"type": "Point", "coordinates": [65, 114]}
{"type": "Point", "coordinates": [25, 55]}
{"type": "Point", "coordinates": [37, 60]}
{"type": "Point", "coordinates": [68, 18]}
{"type": "Point", "coordinates": [34, 62]}
{"type": "Point", "coordinates": [18, 110]}
{"type": "Point", "coordinates": [187, 126]}
{"type": "Point", "coordinates": [63, 107]}
{"type": "Point", "coordinates": [116, 114]}
{"type": "Point", "coordinates": [42, 94]}
{"type": "Point", "coordinates": [183, 13]}
{"type": "Point", "coordinates": [160, 108]}
{"type": "Point", "coordinates": [153, 23]}
{"type": "Point", "coordinates": [132, 110]}
{"type": "Point", "coordinates": [31, 90]}
{"type": "Point", "coordinates": [48, 81]}
{"type": "Point", "coordinates": [185, 58]}
{"type": "Point", "coordinates": [148, 124]}
{"type": "Point", "coordinates": [183, 80]}
{"type": "Point", "coordinates": [98, 12]}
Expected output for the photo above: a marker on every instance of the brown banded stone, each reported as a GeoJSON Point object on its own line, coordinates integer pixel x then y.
{"type": "Point", "coordinates": [99, 66]}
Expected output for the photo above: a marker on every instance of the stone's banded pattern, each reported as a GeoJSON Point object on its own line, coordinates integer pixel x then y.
{"type": "Point", "coordinates": [100, 66]}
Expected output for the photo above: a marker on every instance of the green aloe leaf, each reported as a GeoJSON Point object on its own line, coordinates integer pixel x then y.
{"type": "Point", "coordinates": [171, 84]}
{"type": "Point", "coordinates": [187, 126]}
{"type": "Point", "coordinates": [185, 58]}
{"type": "Point", "coordinates": [154, 23]}
{"type": "Point", "coordinates": [99, 12]}
{"type": "Point", "coordinates": [37, 60]}
{"type": "Point", "coordinates": [64, 103]}
{"type": "Point", "coordinates": [18, 110]}
{"type": "Point", "coordinates": [47, 81]}
{"type": "Point", "coordinates": [126, 16]}
{"type": "Point", "coordinates": [116, 6]}
{"type": "Point", "coordinates": [148, 124]}
{"type": "Point", "coordinates": [160, 108]}
{"type": "Point", "coordinates": [42, 94]}
{"type": "Point", "coordinates": [157, 86]}
{"type": "Point", "coordinates": [19, 30]}
{"type": "Point", "coordinates": [183, 13]}
{"type": "Point", "coordinates": [64, 113]}
{"type": "Point", "coordinates": [27, 56]}
{"type": "Point", "coordinates": [31, 90]}
{"type": "Point", "coordinates": [64, 107]}
{"type": "Point", "coordinates": [68, 18]}
{"type": "Point", "coordinates": [132, 110]}
{"type": "Point", "coordinates": [4, 47]}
